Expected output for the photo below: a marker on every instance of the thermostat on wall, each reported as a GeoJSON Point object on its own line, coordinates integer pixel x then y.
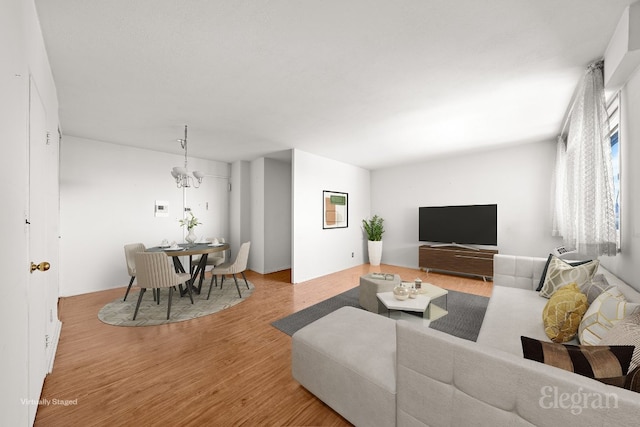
{"type": "Point", "coordinates": [162, 208]}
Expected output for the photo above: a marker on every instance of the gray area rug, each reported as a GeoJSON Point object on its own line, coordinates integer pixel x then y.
{"type": "Point", "coordinates": [120, 313]}
{"type": "Point", "coordinates": [290, 324]}
{"type": "Point", "coordinates": [466, 313]}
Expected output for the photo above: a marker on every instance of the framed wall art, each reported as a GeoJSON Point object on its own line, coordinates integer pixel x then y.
{"type": "Point", "coordinates": [335, 209]}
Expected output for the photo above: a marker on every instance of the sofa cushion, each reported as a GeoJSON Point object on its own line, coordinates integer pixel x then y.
{"type": "Point", "coordinates": [607, 310]}
{"type": "Point", "coordinates": [560, 273]}
{"type": "Point", "coordinates": [563, 313]}
{"type": "Point", "coordinates": [517, 271]}
{"type": "Point", "coordinates": [608, 364]}
{"type": "Point", "coordinates": [347, 359]}
{"type": "Point", "coordinates": [512, 312]}
{"type": "Point", "coordinates": [626, 332]}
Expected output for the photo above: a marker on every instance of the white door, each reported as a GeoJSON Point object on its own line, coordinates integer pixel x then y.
{"type": "Point", "coordinates": [14, 88]}
{"type": "Point", "coordinates": [40, 297]}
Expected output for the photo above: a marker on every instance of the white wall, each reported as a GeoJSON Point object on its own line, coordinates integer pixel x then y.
{"type": "Point", "coordinates": [240, 211]}
{"type": "Point", "coordinates": [626, 264]}
{"type": "Point", "coordinates": [107, 199]}
{"type": "Point", "coordinates": [317, 251]}
{"type": "Point", "coordinates": [518, 179]}
{"type": "Point", "coordinates": [256, 254]}
{"type": "Point", "coordinates": [270, 216]}
{"type": "Point", "coordinates": [277, 215]}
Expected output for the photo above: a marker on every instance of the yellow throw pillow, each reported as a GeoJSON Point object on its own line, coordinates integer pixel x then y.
{"type": "Point", "coordinates": [563, 313]}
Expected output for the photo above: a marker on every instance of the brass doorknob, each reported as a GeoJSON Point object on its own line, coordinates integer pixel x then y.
{"type": "Point", "coordinates": [43, 266]}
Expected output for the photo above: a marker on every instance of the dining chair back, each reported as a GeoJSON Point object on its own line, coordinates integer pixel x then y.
{"type": "Point", "coordinates": [217, 258]}
{"type": "Point", "coordinates": [213, 259]}
{"type": "Point", "coordinates": [129, 254]}
{"type": "Point", "coordinates": [239, 265]}
{"type": "Point", "coordinates": [156, 272]}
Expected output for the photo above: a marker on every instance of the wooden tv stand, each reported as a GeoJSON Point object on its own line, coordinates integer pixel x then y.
{"type": "Point", "coordinates": [452, 259]}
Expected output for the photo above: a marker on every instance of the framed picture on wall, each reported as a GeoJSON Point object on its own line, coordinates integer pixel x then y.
{"type": "Point", "coordinates": [335, 209]}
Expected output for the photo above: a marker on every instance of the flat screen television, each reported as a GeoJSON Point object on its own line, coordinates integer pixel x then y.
{"type": "Point", "coordinates": [468, 224]}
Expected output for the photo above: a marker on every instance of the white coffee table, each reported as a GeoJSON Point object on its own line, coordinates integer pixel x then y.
{"type": "Point", "coordinates": [423, 303]}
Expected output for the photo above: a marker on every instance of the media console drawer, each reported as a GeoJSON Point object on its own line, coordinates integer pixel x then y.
{"type": "Point", "coordinates": [457, 260]}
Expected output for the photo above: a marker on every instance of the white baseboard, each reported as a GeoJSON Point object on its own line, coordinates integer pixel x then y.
{"type": "Point", "coordinates": [54, 345]}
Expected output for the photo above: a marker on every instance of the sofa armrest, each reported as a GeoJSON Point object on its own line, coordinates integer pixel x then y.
{"type": "Point", "coordinates": [517, 271]}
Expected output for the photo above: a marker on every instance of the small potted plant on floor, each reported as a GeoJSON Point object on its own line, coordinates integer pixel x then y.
{"type": "Point", "coordinates": [375, 229]}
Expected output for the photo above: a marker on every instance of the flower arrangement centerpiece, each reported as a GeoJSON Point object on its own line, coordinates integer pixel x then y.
{"type": "Point", "coordinates": [191, 223]}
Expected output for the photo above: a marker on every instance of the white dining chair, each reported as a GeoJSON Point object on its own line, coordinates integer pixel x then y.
{"type": "Point", "coordinates": [237, 266]}
{"type": "Point", "coordinates": [156, 272]}
{"type": "Point", "coordinates": [129, 253]}
{"type": "Point", "coordinates": [213, 259]}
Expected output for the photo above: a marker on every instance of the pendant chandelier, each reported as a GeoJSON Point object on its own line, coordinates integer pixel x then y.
{"type": "Point", "coordinates": [181, 174]}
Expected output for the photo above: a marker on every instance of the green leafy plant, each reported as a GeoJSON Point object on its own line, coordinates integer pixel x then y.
{"type": "Point", "coordinates": [190, 223]}
{"type": "Point", "coordinates": [374, 228]}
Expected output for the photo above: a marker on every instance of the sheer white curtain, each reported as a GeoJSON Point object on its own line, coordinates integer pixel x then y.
{"type": "Point", "coordinates": [558, 225]}
{"type": "Point", "coordinates": [586, 217]}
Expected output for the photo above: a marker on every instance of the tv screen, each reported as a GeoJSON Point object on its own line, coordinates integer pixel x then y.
{"type": "Point", "coordinates": [469, 224]}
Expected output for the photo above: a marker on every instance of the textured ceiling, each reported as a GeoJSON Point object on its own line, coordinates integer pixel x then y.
{"type": "Point", "coordinates": [369, 82]}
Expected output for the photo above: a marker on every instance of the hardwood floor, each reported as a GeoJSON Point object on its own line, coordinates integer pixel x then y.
{"type": "Point", "coordinates": [230, 368]}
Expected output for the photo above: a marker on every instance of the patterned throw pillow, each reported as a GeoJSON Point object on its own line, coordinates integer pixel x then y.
{"type": "Point", "coordinates": [546, 267]}
{"type": "Point", "coordinates": [602, 315]}
{"type": "Point", "coordinates": [594, 287]}
{"type": "Point", "coordinates": [563, 313]}
{"type": "Point", "coordinates": [560, 273]}
{"type": "Point", "coordinates": [608, 364]}
{"type": "Point", "coordinates": [626, 332]}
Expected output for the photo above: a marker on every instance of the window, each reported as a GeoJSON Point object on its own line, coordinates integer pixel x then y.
{"type": "Point", "coordinates": [613, 109]}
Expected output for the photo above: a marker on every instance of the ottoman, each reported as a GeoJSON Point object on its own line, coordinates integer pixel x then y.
{"type": "Point", "coordinates": [368, 289]}
{"type": "Point", "coordinates": [347, 359]}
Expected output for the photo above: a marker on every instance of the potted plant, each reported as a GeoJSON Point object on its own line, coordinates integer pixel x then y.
{"type": "Point", "coordinates": [375, 229]}
{"type": "Point", "coordinates": [191, 224]}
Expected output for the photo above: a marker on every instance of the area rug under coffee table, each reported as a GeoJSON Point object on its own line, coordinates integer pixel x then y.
{"type": "Point", "coordinates": [466, 313]}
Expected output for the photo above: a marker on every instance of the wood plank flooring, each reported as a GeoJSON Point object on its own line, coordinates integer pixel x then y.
{"type": "Point", "coordinates": [230, 368]}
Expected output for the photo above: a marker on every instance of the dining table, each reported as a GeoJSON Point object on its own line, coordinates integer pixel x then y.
{"type": "Point", "coordinates": [191, 250]}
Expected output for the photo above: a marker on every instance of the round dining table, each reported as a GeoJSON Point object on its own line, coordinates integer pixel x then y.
{"type": "Point", "coordinates": [191, 249]}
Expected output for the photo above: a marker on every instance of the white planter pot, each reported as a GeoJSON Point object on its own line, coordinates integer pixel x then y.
{"type": "Point", "coordinates": [375, 252]}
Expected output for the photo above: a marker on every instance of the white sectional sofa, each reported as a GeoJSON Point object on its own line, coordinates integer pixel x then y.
{"type": "Point", "coordinates": [375, 371]}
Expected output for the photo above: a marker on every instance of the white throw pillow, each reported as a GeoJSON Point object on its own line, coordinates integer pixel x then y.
{"type": "Point", "coordinates": [626, 332]}
{"type": "Point", "coordinates": [603, 314]}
